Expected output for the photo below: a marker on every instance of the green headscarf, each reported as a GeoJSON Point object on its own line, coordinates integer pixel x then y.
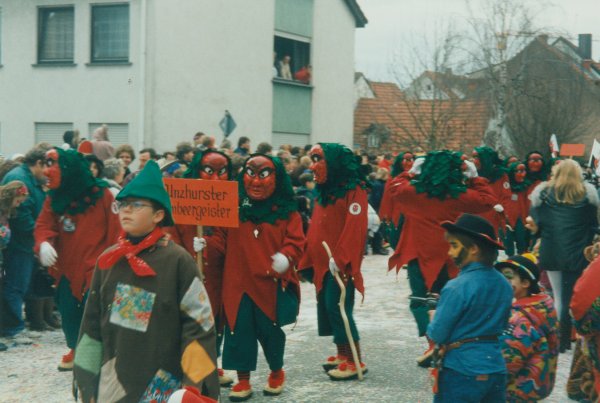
{"type": "Point", "coordinates": [544, 172]}
{"type": "Point", "coordinates": [397, 167]}
{"type": "Point", "coordinates": [343, 173]}
{"type": "Point", "coordinates": [78, 189]}
{"type": "Point", "coordinates": [514, 185]}
{"type": "Point", "coordinates": [277, 207]}
{"type": "Point", "coordinates": [441, 175]}
{"type": "Point", "coordinates": [193, 171]}
{"type": "Point", "coordinates": [491, 165]}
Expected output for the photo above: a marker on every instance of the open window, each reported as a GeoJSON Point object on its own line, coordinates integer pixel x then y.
{"type": "Point", "coordinates": [292, 60]}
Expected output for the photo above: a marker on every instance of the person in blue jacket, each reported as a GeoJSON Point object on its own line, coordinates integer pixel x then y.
{"type": "Point", "coordinates": [472, 312]}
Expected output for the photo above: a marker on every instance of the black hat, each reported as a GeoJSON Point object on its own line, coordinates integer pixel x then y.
{"type": "Point", "coordinates": [526, 267]}
{"type": "Point", "coordinates": [475, 227]}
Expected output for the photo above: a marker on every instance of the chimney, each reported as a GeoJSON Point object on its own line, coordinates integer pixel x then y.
{"type": "Point", "coordinates": [585, 46]}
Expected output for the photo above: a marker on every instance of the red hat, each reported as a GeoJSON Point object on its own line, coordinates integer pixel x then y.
{"type": "Point", "coordinates": [189, 394]}
{"type": "Point", "coordinates": [85, 147]}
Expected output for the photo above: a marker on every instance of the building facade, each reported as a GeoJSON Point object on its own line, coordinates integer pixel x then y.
{"type": "Point", "coordinates": [157, 73]}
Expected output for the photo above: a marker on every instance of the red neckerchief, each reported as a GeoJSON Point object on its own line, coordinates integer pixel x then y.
{"type": "Point", "coordinates": [130, 251]}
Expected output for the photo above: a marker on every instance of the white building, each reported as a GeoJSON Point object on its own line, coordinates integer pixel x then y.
{"type": "Point", "coordinates": [158, 71]}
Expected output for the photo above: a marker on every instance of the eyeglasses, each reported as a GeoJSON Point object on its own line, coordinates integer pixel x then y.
{"type": "Point", "coordinates": [135, 205]}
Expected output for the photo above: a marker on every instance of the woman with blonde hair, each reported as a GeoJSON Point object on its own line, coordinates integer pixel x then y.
{"type": "Point", "coordinates": [563, 214]}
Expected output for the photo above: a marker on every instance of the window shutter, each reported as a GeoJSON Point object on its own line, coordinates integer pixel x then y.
{"type": "Point", "coordinates": [51, 132]}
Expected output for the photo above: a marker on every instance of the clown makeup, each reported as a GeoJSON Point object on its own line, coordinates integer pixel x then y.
{"type": "Point", "coordinates": [476, 160]}
{"type": "Point", "coordinates": [52, 169]}
{"type": "Point", "coordinates": [520, 173]}
{"type": "Point", "coordinates": [457, 251]}
{"type": "Point", "coordinates": [259, 178]}
{"type": "Point", "coordinates": [535, 162]}
{"type": "Point", "coordinates": [319, 165]}
{"type": "Point", "coordinates": [407, 161]}
{"type": "Point", "coordinates": [214, 166]}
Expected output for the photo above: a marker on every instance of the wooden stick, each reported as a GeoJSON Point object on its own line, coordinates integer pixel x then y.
{"type": "Point", "coordinates": [199, 262]}
{"type": "Point", "coordinates": [345, 317]}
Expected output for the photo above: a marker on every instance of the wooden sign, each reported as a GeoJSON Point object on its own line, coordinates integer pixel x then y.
{"type": "Point", "coordinates": [572, 150]}
{"type": "Point", "coordinates": [203, 202]}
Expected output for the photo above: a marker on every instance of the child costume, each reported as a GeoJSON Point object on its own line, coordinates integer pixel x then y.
{"type": "Point", "coordinates": [148, 325]}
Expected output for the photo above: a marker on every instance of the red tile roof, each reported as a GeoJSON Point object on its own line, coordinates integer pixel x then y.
{"type": "Point", "coordinates": [461, 123]}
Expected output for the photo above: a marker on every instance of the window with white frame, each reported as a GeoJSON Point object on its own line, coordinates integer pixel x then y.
{"type": "Point", "coordinates": [51, 132]}
{"type": "Point", "coordinates": [292, 59]}
{"type": "Point", "coordinates": [110, 33]}
{"type": "Point", "coordinates": [56, 34]}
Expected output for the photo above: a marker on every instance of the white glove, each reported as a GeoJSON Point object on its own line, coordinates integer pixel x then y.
{"type": "Point", "coordinates": [280, 263]}
{"type": "Point", "coordinates": [471, 171]}
{"type": "Point", "coordinates": [48, 254]}
{"type": "Point", "coordinates": [333, 267]}
{"type": "Point", "coordinates": [199, 244]}
{"type": "Point", "coordinates": [416, 168]}
{"type": "Point", "coordinates": [499, 208]}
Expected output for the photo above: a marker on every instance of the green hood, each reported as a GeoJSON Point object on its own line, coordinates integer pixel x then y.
{"type": "Point", "coordinates": [441, 175]}
{"type": "Point", "coordinates": [514, 185]}
{"type": "Point", "coordinates": [78, 189]}
{"type": "Point", "coordinates": [343, 173]}
{"type": "Point", "coordinates": [148, 184]}
{"type": "Point", "coordinates": [491, 165]}
{"type": "Point", "coordinates": [277, 207]}
{"type": "Point", "coordinates": [538, 176]}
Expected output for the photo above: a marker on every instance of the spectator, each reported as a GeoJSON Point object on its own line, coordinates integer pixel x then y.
{"type": "Point", "coordinates": [96, 166]}
{"type": "Point", "coordinates": [6, 167]}
{"type": "Point", "coordinates": [243, 148]}
{"type": "Point", "coordinates": [226, 147]}
{"type": "Point", "coordinates": [297, 151]}
{"type": "Point", "coordinates": [307, 188]}
{"type": "Point", "coordinates": [169, 156]}
{"type": "Point", "coordinates": [208, 143]}
{"type": "Point", "coordinates": [563, 214]}
{"type": "Point", "coordinates": [11, 196]}
{"type": "Point", "coordinates": [126, 154]}
{"type": "Point", "coordinates": [18, 158]}
{"type": "Point", "coordinates": [103, 149]}
{"type": "Point", "coordinates": [114, 173]}
{"type": "Point", "coordinates": [237, 162]}
{"type": "Point", "coordinates": [184, 153]}
{"type": "Point", "coordinates": [285, 70]}
{"type": "Point", "coordinates": [375, 197]}
{"type": "Point", "coordinates": [145, 155]}
{"type": "Point", "coordinates": [19, 257]}
{"type": "Point", "coordinates": [264, 148]}
{"type": "Point", "coordinates": [304, 74]}
{"type": "Point", "coordinates": [71, 139]}
{"type": "Point", "coordinates": [198, 139]}
{"type": "Point", "coordinates": [530, 343]}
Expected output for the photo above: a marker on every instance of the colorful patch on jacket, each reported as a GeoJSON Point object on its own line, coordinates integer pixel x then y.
{"type": "Point", "coordinates": [132, 307]}
{"type": "Point", "coordinates": [196, 305]}
{"type": "Point", "coordinates": [88, 354]}
{"type": "Point", "coordinates": [161, 387]}
{"type": "Point", "coordinates": [110, 388]}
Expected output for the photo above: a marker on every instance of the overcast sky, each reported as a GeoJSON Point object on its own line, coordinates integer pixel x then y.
{"type": "Point", "coordinates": [392, 22]}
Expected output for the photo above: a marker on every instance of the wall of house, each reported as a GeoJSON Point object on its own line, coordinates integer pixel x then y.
{"type": "Point", "coordinates": [76, 94]}
{"type": "Point", "coordinates": [333, 77]}
{"type": "Point", "coordinates": [196, 71]}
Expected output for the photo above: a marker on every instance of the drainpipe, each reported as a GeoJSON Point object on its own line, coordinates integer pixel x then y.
{"type": "Point", "coordinates": [141, 141]}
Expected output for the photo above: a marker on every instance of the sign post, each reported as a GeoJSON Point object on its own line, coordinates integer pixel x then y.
{"type": "Point", "coordinates": [203, 202]}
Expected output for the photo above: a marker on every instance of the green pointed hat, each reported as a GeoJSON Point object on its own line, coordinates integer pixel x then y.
{"type": "Point", "coordinates": [148, 184]}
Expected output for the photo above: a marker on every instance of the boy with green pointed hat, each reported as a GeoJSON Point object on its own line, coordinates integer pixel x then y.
{"type": "Point", "coordinates": [147, 302]}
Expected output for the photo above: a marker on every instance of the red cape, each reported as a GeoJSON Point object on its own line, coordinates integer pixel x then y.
{"type": "Point", "coordinates": [422, 236]}
{"type": "Point", "coordinates": [343, 225]}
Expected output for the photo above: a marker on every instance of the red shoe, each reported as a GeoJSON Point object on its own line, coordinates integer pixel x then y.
{"type": "Point", "coordinates": [275, 383]}
{"type": "Point", "coordinates": [346, 371]}
{"type": "Point", "coordinates": [66, 363]}
{"type": "Point", "coordinates": [333, 361]}
{"type": "Point", "coordinates": [224, 380]}
{"type": "Point", "coordinates": [241, 391]}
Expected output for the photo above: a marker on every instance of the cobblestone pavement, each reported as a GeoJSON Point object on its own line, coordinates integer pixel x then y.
{"type": "Point", "coordinates": [389, 343]}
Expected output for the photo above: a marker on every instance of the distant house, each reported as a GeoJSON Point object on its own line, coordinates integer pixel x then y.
{"type": "Point", "coordinates": [159, 71]}
{"type": "Point", "coordinates": [392, 121]}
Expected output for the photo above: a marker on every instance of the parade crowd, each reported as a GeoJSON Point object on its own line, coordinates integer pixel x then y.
{"type": "Point", "coordinates": [500, 256]}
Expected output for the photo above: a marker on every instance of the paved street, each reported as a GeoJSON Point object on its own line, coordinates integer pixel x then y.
{"type": "Point", "coordinates": [28, 373]}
